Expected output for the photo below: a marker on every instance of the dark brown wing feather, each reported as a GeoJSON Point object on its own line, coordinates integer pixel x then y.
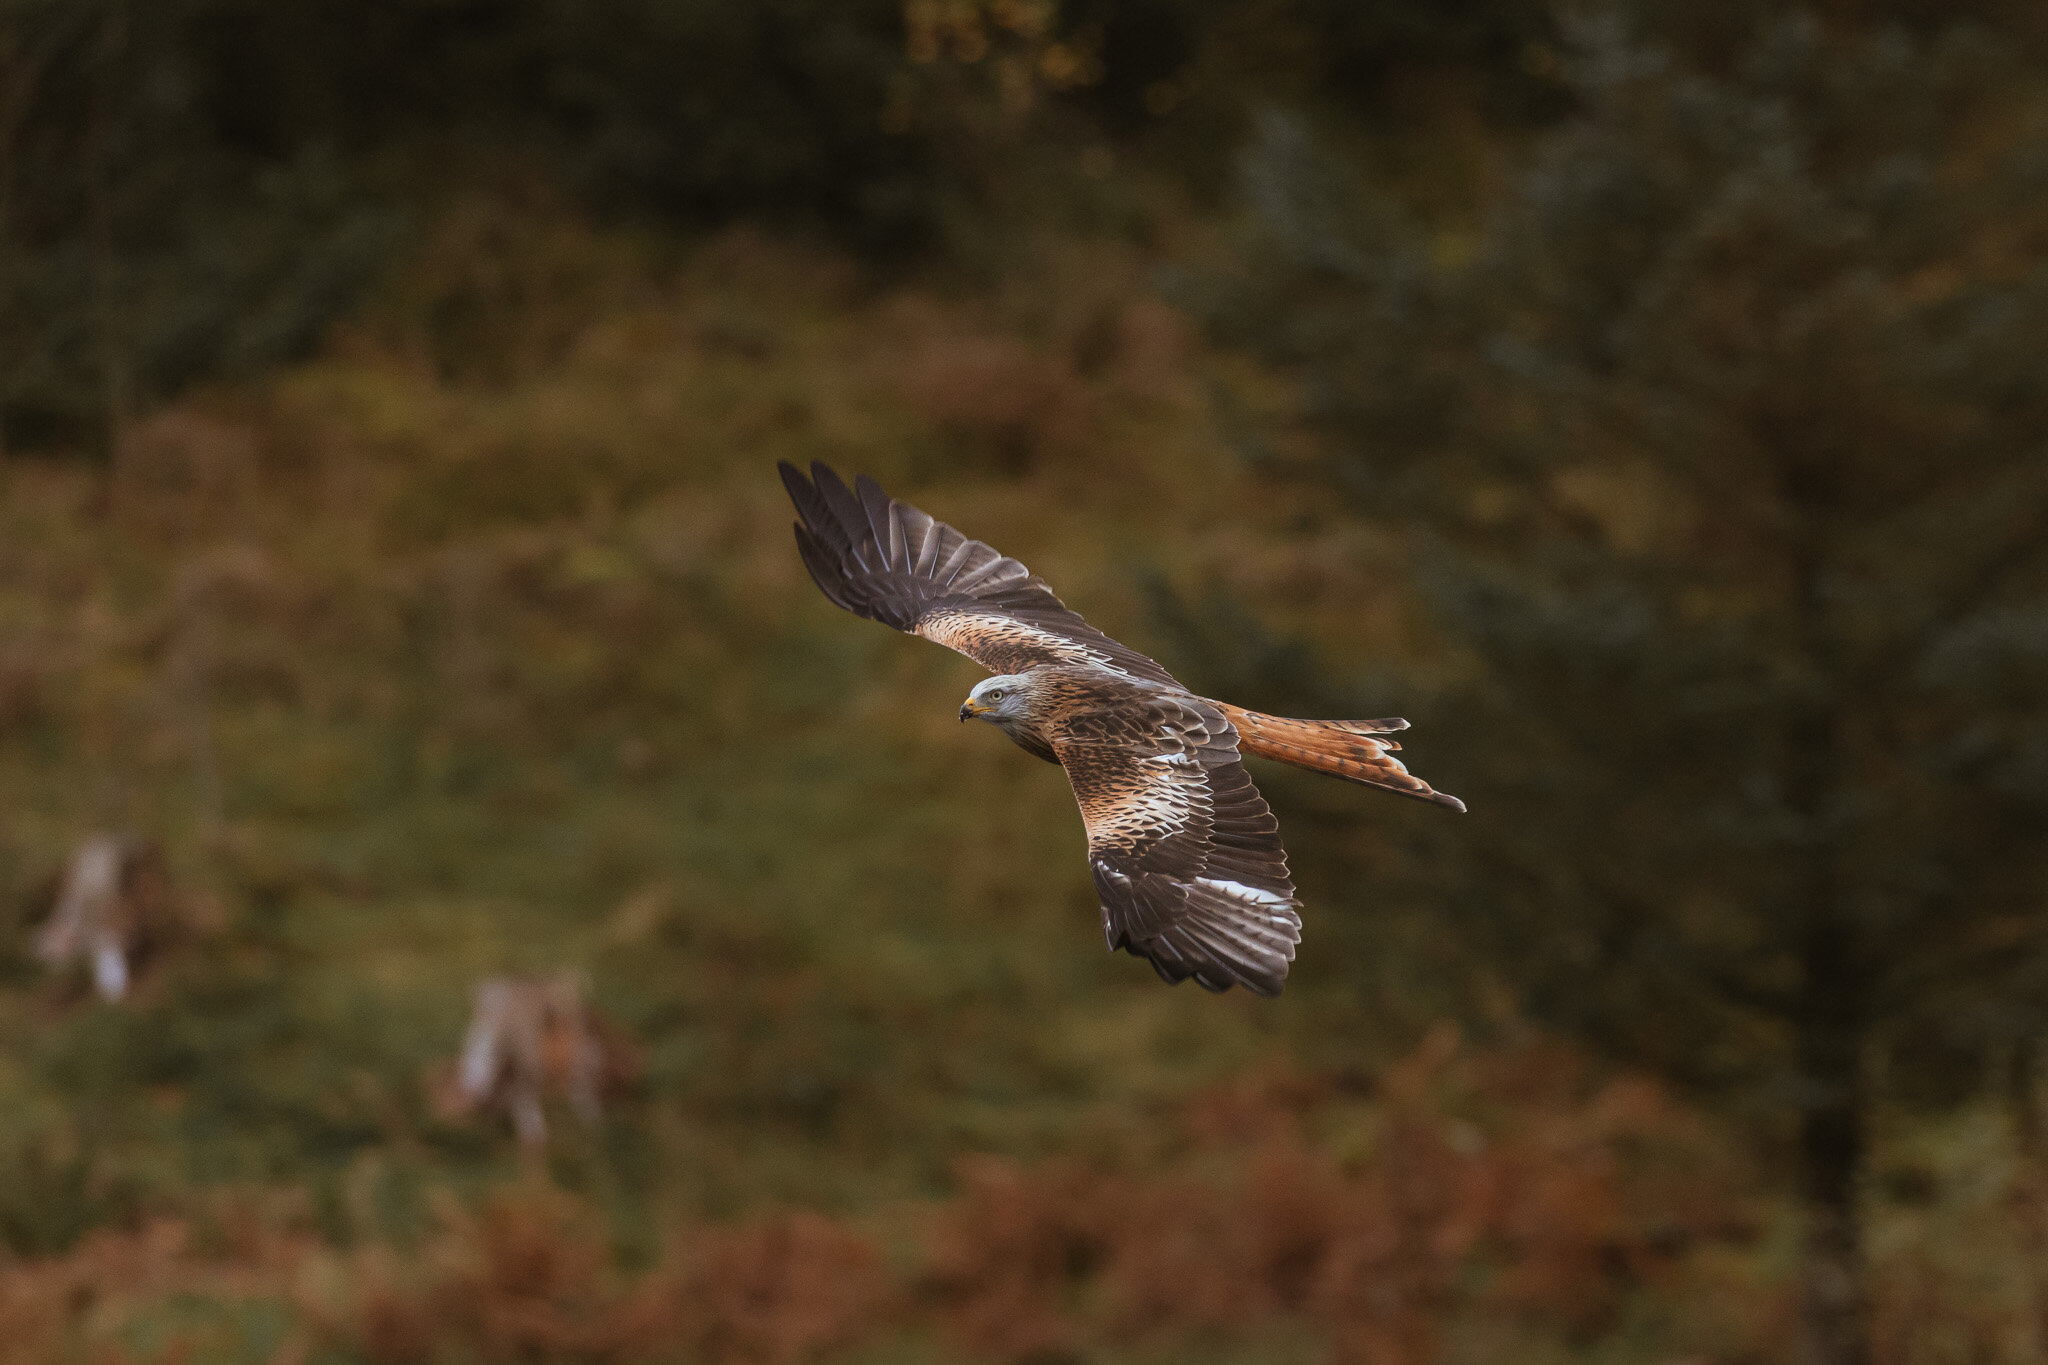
{"type": "Point", "coordinates": [884, 559]}
{"type": "Point", "coordinates": [1186, 856]}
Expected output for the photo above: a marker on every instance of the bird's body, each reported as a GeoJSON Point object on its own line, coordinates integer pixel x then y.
{"type": "Point", "coordinates": [1186, 856]}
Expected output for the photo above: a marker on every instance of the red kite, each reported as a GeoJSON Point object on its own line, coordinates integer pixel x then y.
{"type": "Point", "coordinates": [1186, 856]}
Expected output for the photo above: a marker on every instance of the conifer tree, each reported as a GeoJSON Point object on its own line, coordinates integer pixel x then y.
{"type": "Point", "coordinates": [1728, 435]}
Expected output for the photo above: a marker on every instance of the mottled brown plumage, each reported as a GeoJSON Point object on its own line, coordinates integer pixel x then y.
{"type": "Point", "coordinates": [1186, 856]}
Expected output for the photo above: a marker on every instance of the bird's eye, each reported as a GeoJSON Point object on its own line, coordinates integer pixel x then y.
{"type": "Point", "coordinates": [995, 694]}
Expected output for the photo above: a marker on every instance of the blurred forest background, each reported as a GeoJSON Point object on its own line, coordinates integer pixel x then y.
{"type": "Point", "coordinates": [1647, 400]}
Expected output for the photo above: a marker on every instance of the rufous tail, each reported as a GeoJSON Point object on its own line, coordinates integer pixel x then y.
{"type": "Point", "coordinates": [1355, 750]}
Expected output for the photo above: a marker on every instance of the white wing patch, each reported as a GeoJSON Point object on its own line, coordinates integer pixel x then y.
{"type": "Point", "coordinates": [1238, 891]}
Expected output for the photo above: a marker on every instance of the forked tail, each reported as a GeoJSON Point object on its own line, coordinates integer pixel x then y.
{"type": "Point", "coordinates": [1355, 750]}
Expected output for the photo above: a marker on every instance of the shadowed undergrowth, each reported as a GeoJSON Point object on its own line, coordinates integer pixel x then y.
{"type": "Point", "coordinates": [1471, 1205]}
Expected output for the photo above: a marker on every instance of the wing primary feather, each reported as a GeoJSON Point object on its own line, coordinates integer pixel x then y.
{"type": "Point", "coordinates": [810, 504]}
{"type": "Point", "coordinates": [928, 545]}
{"type": "Point", "coordinates": [948, 575]}
{"type": "Point", "coordinates": [898, 553]}
{"type": "Point", "coordinates": [824, 569]}
{"type": "Point", "coordinates": [975, 575]}
{"type": "Point", "coordinates": [875, 506]}
{"type": "Point", "coordinates": [846, 510]}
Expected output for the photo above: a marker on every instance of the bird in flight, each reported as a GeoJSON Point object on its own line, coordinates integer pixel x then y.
{"type": "Point", "coordinates": [1186, 856]}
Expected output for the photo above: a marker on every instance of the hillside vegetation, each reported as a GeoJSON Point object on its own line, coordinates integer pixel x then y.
{"type": "Point", "coordinates": [478, 645]}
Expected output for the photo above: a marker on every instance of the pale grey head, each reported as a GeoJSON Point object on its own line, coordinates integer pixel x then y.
{"type": "Point", "coordinates": [1000, 700]}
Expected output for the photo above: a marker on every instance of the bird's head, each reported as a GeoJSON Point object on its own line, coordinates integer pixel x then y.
{"type": "Point", "coordinates": [998, 700]}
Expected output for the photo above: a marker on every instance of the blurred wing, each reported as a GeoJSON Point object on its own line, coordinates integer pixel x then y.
{"type": "Point", "coordinates": [885, 560]}
{"type": "Point", "coordinates": [1186, 856]}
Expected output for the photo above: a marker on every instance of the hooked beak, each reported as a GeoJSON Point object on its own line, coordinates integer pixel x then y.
{"type": "Point", "coordinates": [970, 709]}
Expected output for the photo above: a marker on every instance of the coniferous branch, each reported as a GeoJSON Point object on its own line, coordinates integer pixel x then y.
{"type": "Point", "coordinates": [1972, 595]}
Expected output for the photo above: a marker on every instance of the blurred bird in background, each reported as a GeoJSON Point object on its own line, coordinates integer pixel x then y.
{"type": "Point", "coordinates": [110, 909]}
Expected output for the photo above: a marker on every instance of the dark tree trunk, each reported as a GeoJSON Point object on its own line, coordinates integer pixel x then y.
{"type": "Point", "coordinates": [1830, 1017]}
{"type": "Point", "coordinates": [115, 379]}
{"type": "Point", "coordinates": [2028, 1197]}
{"type": "Point", "coordinates": [1834, 1300]}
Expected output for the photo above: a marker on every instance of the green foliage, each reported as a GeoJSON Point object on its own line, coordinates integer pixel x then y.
{"type": "Point", "coordinates": [140, 249]}
{"type": "Point", "coordinates": [1726, 433]}
{"type": "Point", "coordinates": [195, 188]}
{"type": "Point", "coordinates": [1723, 429]}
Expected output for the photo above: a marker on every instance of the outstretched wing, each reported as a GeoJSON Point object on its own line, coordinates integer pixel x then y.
{"type": "Point", "coordinates": [885, 560]}
{"type": "Point", "coordinates": [1186, 856]}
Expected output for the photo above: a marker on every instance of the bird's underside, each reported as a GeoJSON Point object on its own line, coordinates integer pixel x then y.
{"type": "Point", "coordinates": [1186, 856]}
